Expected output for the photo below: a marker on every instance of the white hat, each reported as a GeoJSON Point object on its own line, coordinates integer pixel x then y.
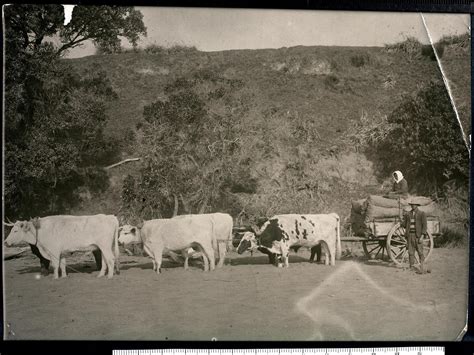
{"type": "Point", "coordinates": [397, 175]}
{"type": "Point", "coordinates": [414, 201]}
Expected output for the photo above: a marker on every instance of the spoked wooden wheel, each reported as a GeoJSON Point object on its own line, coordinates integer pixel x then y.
{"type": "Point", "coordinates": [397, 246]}
{"type": "Point", "coordinates": [374, 249]}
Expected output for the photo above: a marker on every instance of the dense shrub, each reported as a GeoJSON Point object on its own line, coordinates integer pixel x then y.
{"type": "Point", "coordinates": [359, 60]}
{"type": "Point", "coordinates": [451, 237]}
{"type": "Point", "coordinates": [189, 153]}
{"type": "Point", "coordinates": [331, 81]}
{"type": "Point", "coordinates": [427, 51]}
{"type": "Point", "coordinates": [425, 141]}
{"type": "Point", "coordinates": [171, 50]}
{"type": "Point", "coordinates": [368, 131]}
{"type": "Point", "coordinates": [155, 49]}
{"type": "Point", "coordinates": [411, 46]}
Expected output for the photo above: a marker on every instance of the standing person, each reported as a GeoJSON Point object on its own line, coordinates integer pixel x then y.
{"type": "Point", "coordinates": [415, 228]}
{"type": "Point", "coordinates": [400, 185]}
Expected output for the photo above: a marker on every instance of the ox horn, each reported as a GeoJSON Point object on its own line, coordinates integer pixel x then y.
{"type": "Point", "coordinates": [254, 228]}
{"type": "Point", "coordinates": [8, 223]}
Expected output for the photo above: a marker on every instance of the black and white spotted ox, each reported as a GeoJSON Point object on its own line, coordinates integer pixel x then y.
{"type": "Point", "coordinates": [282, 232]}
{"type": "Point", "coordinates": [248, 242]}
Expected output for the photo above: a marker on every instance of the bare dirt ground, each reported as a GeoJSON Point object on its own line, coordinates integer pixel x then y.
{"type": "Point", "coordinates": [245, 300]}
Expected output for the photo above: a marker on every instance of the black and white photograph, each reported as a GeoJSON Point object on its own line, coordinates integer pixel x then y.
{"type": "Point", "coordinates": [180, 173]}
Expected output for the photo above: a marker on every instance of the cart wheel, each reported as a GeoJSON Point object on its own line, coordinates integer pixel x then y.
{"type": "Point", "coordinates": [374, 249]}
{"type": "Point", "coordinates": [397, 245]}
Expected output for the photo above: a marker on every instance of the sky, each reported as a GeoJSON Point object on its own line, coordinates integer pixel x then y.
{"type": "Point", "coordinates": [224, 29]}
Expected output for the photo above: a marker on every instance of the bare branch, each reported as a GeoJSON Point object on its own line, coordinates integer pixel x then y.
{"type": "Point", "coordinates": [176, 205]}
{"type": "Point", "coordinates": [70, 45]}
{"type": "Point", "coordinates": [121, 162]}
{"type": "Point", "coordinates": [204, 204]}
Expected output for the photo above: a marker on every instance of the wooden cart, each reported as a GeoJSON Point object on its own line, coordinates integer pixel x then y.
{"type": "Point", "coordinates": [385, 237]}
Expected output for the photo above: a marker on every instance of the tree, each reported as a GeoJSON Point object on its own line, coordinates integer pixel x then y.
{"type": "Point", "coordinates": [425, 141]}
{"type": "Point", "coordinates": [54, 117]}
{"type": "Point", "coordinates": [62, 147]}
{"type": "Point", "coordinates": [190, 150]}
{"type": "Point", "coordinates": [28, 27]}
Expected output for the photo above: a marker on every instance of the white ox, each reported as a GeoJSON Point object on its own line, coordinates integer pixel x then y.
{"type": "Point", "coordinates": [163, 236]}
{"type": "Point", "coordinates": [223, 225]}
{"type": "Point", "coordinates": [56, 235]}
{"type": "Point", "coordinates": [132, 234]}
{"type": "Point", "coordinates": [282, 232]}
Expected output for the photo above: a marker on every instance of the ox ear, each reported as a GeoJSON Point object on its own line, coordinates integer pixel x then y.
{"type": "Point", "coordinates": [140, 224]}
{"type": "Point", "coordinates": [25, 226]}
{"type": "Point", "coordinates": [261, 221]}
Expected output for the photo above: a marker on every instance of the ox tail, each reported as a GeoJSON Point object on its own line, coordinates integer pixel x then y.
{"type": "Point", "coordinates": [229, 245]}
{"type": "Point", "coordinates": [338, 237]}
{"type": "Point", "coordinates": [214, 243]}
{"type": "Point", "coordinates": [116, 249]}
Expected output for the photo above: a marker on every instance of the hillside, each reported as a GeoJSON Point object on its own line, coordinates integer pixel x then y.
{"type": "Point", "coordinates": [295, 106]}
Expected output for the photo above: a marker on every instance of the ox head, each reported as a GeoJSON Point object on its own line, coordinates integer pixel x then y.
{"type": "Point", "coordinates": [21, 232]}
{"type": "Point", "coordinates": [129, 234]}
{"type": "Point", "coordinates": [248, 242]}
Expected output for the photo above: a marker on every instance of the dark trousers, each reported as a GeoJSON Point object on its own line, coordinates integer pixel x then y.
{"type": "Point", "coordinates": [413, 245]}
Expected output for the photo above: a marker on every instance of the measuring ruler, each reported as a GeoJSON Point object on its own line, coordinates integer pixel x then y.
{"type": "Point", "coordinates": [422, 350]}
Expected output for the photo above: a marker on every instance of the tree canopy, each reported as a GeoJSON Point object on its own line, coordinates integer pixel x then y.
{"type": "Point", "coordinates": [54, 117]}
{"type": "Point", "coordinates": [29, 27]}
{"type": "Point", "coordinates": [190, 152]}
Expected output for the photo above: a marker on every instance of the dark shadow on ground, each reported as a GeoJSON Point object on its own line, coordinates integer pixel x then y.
{"type": "Point", "coordinates": [386, 262]}
{"type": "Point", "coordinates": [263, 260]}
{"type": "Point", "coordinates": [87, 268]}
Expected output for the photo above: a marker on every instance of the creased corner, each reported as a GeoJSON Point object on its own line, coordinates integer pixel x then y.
{"type": "Point", "coordinates": [448, 87]}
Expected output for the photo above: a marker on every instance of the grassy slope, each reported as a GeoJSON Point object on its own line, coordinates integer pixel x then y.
{"type": "Point", "coordinates": [319, 90]}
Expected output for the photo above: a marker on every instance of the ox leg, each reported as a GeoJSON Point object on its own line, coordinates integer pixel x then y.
{"type": "Point", "coordinates": [155, 250]}
{"type": "Point", "coordinates": [315, 251]}
{"type": "Point", "coordinates": [211, 257]}
{"type": "Point", "coordinates": [222, 250]}
{"type": "Point", "coordinates": [98, 258]}
{"type": "Point", "coordinates": [285, 253]}
{"type": "Point", "coordinates": [327, 253]}
{"type": "Point", "coordinates": [158, 261]}
{"type": "Point", "coordinates": [150, 254]}
{"type": "Point", "coordinates": [43, 262]}
{"type": "Point", "coordinates": [185, 255]}
{"type": "Point", "coordinates": [109, 260]}
{"type": "Point", "coordinates": [103, 267]}
{"type": "Point", "coordinates": [208, 251]}
{"type": "Point", "coordinates": [332, 251]}
{"type": "Point", "coordinates": [55, 265]}
{"type": "Point", "coordinates": [205, 260]}
{"type": "Point", "coordinates": [62, 265]}
{"type": "Point", "coordinates": [272, 259]}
